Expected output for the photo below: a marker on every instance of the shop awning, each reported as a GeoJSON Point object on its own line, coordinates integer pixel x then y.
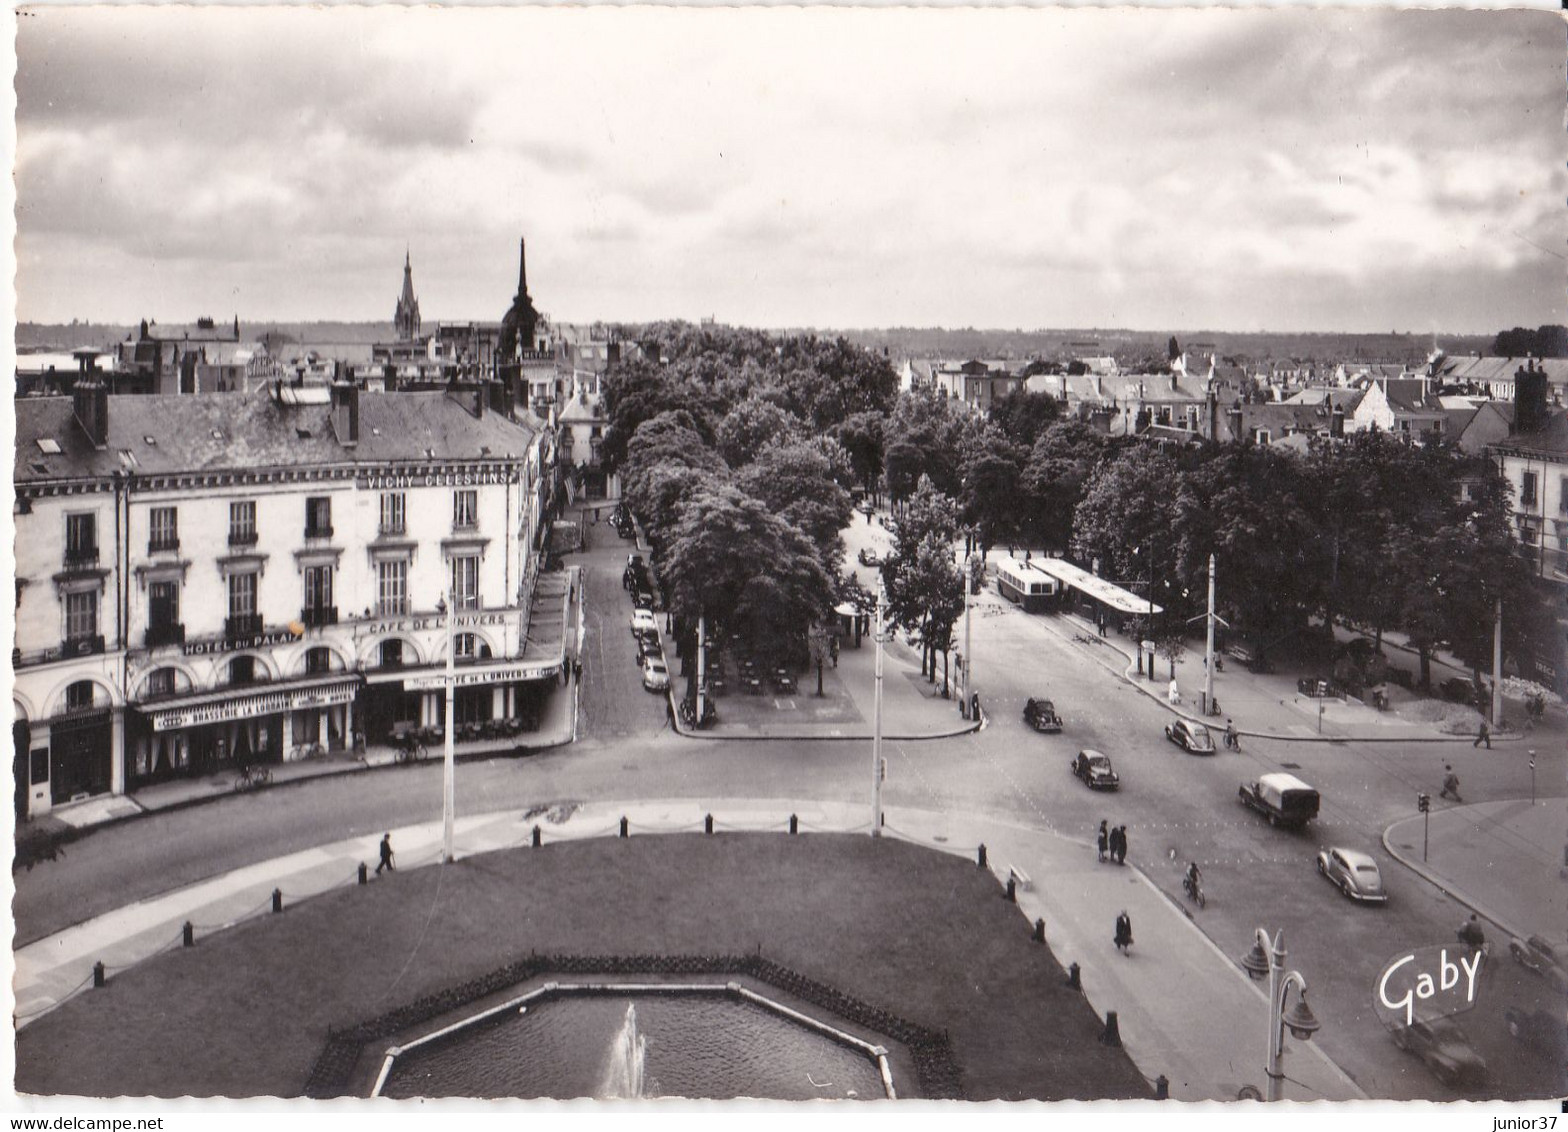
{"type": "Point", "coordinates": [471, 675]}
{"type": "Point", "coordinates": [267, 699]}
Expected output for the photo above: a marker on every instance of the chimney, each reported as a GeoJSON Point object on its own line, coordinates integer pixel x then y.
{"type": "Point", "coordinates": [345, 414]}
{"type": "Point", "coordinates": [613, 353]}
{"type": "Point", "coordinates": [1336, 423]}
{"type": "Point", "coordinates": [90, 400]}
{"type": "Point", "coordinates": [1530, 411]}
{"type": "Point", "coordinates": [1233, 418]}
{"type": "Point", "coordinates": [481, 397]}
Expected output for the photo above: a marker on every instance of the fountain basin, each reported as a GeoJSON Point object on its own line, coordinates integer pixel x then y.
{"type": "Point", "coordinates": [702, 1040]}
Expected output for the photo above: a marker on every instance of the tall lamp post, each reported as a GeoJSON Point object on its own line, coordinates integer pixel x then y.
{"type": "Point", "coordinates": [876, 733]}
{"type": "Point", "coordinates": [449, 761]}
{"type": "Point", "coordinates": [1267, 959]}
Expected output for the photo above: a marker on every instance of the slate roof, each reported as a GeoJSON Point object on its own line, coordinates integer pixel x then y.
{"type": "Point", "coordinates": [1551, 440]}
{"type": "Point", "coordinates": [217, 431]}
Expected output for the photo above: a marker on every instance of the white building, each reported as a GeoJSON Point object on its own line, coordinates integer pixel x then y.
{"type": "Point", "coordinates": [208, 580]}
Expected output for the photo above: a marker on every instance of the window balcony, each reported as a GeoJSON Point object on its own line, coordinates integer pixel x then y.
{"type": "Point", "coordinates": [394, 528]}
{"type": "Point", "coordinates": [160, 635]}
{"type": "Point", "coordinates": [170, 542]}
{"type": "Point", "coordinates": [242, 625]}
{"type": "Point", "coordinates": [81, 557]}
{"type": "Point", "coordinates": [319, 532]}
{"type": "Point", "coordinates": [242, 536]}
{"type": "Point", "coordinates": [319, 615]}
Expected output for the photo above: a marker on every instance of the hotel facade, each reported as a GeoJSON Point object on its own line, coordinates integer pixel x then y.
{"type": "Point", "coordinates": [206, 582]}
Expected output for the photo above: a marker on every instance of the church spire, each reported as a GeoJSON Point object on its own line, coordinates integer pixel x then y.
{"type": "Point", "coordinates": [406, 318]}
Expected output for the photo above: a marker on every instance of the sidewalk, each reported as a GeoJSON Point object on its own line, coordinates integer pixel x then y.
{"type": "Point", "coordinates": [1265, 706]}
{"type": "Point", "coordinates": [1174, 982]}
{"type": "Point", "coordinates": [1505, 860]}
{"type": "Point", "coordinates": [912, 707]}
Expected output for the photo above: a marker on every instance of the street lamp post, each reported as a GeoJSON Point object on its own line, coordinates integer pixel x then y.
{"type": "Point", "coordinates": [1267, 959]}
{"type": "Point", "coordinates": [969, 656]}
{"type": "Point", "coordinates": [876, 733]}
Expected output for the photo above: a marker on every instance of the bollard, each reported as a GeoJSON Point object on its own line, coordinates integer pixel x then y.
{"type": "Point", "coordinates": [188, 934]}
{"type": "Point", "coordinates": [364, 873]}
{"type": "Point", "coordinates": [1012, 890]}
{"type": "Point", "coordinates": [536, 837]}
{"type": "Point", "coordinates": [794, 824]}
{"type": "Point", "coordinates": [707, 824]}
{"type": "Point", "coordinates": [981, 856]}
{"type": "Point", "coordinates": [277, 900]}
{"type": "Point", "coordinates": [623, 827]}
{"type": "Point", "coordinates": [1039, 931]}
{"type": "Point", "coordinates": [1113, 1033]}
{"type": "Point", "coordinates": [1074, 979]}
{"type": "Point", "coordinates": [1162, 1088]}
{"type": "Point", "coordinates": [98, 979]}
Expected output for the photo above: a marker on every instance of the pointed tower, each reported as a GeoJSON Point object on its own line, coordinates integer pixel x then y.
{"type": "Point", "coordinates": [406, 318]}
{"type": "Point", "coordinates": [522, 320]}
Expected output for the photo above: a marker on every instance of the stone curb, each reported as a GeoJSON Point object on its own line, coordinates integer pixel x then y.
{"type": "Point", "coordinates": [1425, 873]}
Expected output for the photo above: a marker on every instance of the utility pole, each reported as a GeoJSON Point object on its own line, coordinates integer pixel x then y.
{"type": "Point", "coordinates": [876, 733]}
{"type": "Point", "coordinates": [969, 656]}
{"type": "Point", "coordinates": [1208, 666]}
{"type": "Point", "coordinates": [702, 668]}
{"type": "Point", "coordinates": [449, 762]}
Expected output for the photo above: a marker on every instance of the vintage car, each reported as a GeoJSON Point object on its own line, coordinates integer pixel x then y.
{"type": "Point", "coordinates": [1541, 956]}
{"type": "Point", "coordinates": [868, 557]}
{"type": "Point", "coordinates": [655, 676]}
{"type": "Point", "coordinates": [1444, 1049]}
{"type": "Point", "coordinates": [1282, 798]}
{"type": "Point", "coordinates": [1194, 738]}
{"type": "Point", "coordinates": [643, 621]}
{"type": "Point", "coordinates": [1095, 770]}
{"type": "Point", "coordinates": [1041, 715]}
{"type": "Point", "coordinates": [1355, 874]}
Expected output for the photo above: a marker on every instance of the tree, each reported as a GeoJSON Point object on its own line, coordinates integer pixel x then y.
{"type": "Point", "coordinates": [989, 495]}
{"type": "Point", "coordinates": [1127, 517]}
{"type": "Point", "coordinates": [751, 426]}
{"type": "Point", "coordinates": [1055, 476]}
{"type": "Point", "coordinates": [923, 437]}
{"type": "Point", "coordinates": [1172, 349]}
{"type": "Point", "coordinates": [925, 590]}
{"type": "Point", "coordinates": [796, 482]}
{"type": "Point", "coordinates": [732, 560]}
{"type": "Point", "coordinates": [1023, 416]}
{"type": "Point", "coordinates": [861, 436]}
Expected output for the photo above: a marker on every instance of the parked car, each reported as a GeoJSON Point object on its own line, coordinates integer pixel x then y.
{"type": "Point", "coordinates": [643, 622]}
{"type": "Point", "coordinates": [1542, 957]}
{"type": "Point", "coordinates": [1041, 715]}
{"type": "Point", "coordinates": [869, 557]}
{"type": "Point", "coordinates": [1248, 656]}
{"type": "Point", "coordinates": [1282, 798]}
{"type": "Point", "coordinates": [1355, 873]}
{"type": "Point", "coordinates": [1095, 770]}
{"type": "Point", "coordinates": [648, 644]}
{"type": "Point", "coordinates": [655, 676]}
{"type": "Point", "coordinates": [1194, 738]}
{"type": "Point", "coordinates": [1443, 1048]}
{"type": "Point", "coordinates": [1461, 690]}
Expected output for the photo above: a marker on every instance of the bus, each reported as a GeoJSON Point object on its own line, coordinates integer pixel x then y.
{"type": "Point", "coordinates": [1023, 585]}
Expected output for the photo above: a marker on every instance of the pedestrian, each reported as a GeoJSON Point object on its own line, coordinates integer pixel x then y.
{"type": "Point", "coordinates": [566, 673]}
{"type": "Point", "coordinates": [1483, 736]}
{"type": "Point", "coordinates": [1115, 842]}
{"type": "Point", "coordinates": [1123, 937]}
{"type": "Point", "coordinates": [386, 855]}
{"type": "Point", "coordinates": [1450, 784]}
{"type": "Point", "coordinates": [577, 669]}
{"type": "Point", "coordinates": [1121, 845]}
{"type": "Point", "coordinates": [1104, 840]}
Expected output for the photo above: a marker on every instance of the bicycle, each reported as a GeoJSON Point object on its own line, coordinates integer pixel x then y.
{"type": "Point", "coordinates": [1194, 889]}
{"type": "Point", "coordinates": [1232, 741]}
{"type": "Point", "coordinates": [411, 749]}
{"type": "Point", "coordinates": [252, 776]}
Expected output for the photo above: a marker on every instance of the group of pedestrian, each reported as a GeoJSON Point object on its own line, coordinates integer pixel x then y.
{"type": "Point", "coordinates": [1112, 843]}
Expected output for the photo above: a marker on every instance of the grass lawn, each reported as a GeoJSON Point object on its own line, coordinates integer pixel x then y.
{"type": "Point", "coordinates": [919, 933]}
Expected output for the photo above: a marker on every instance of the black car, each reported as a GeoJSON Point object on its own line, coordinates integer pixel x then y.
{"type": "Point", "coordinates": [1041, 715]}
{"type": "Point", "coordinates": [868, 557]}
{"type": "Point", "coordinates": [1095, 770]}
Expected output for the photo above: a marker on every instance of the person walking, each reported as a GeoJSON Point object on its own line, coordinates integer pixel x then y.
{"type": "Point", "coordinates": [1123, 937]}
{"type": "Point", "coordinates": [1450, 784]}
{"type": "Point", "coordinates": [386, 855]}
{"type": "Point", "coordinates": [1104, 841]}
{"type": "Point", "coordinates": [1115, 840]}
{"type": "Point", "coordinates": [1121, 845]}
{"type": "Point", "coordinates": [1483, 736]}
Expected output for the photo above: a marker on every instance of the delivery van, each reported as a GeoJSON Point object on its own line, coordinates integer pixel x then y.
{"type": "Point", "coordinates": [1282, 798]}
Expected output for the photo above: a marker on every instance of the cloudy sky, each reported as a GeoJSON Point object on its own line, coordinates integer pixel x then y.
{"type": "Point", "coordinates": [1349, 170]}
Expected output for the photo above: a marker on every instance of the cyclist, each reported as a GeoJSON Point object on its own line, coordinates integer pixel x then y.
{"type": "Point", "coordinates": [1194, 874]}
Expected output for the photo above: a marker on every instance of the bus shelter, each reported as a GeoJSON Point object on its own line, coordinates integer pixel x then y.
{"type": "Point", "coordinates": [1105, 601]}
